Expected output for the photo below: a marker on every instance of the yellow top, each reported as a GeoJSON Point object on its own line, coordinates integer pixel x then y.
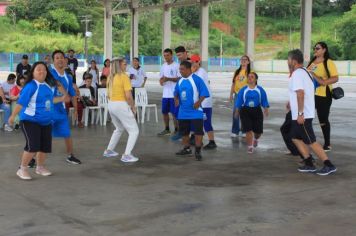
{"type": "Point", "coordinates": [120, 84]}
{"type": "Point", "coordinates": [320, 71]}
{"type": "Point", "coordinates": [240, 80]}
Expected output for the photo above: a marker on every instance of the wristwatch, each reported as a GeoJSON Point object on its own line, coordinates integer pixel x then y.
{"type": "Point", "coordinates": [300, 113]}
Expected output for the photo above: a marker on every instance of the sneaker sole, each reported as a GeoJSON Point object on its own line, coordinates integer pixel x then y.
{"type": "Point", "coordinates": [110, 156]}
{"type": "Point", "coordinates": [307, 171]}
{"type": "Point", "coordinates": [183, 155]}
{"type": "Point", "coordinates": [24, 178]}
{"type": "Point", "coordinates": [74, 163]}
{"type": "Point", "coordinates": [328, 173]}
{"type": "Point", "coordinates": [161, 135]}
{"type": "Point", "coordinates": [43, 174]}
{"type": "Point", "coordinates": [129, 161]}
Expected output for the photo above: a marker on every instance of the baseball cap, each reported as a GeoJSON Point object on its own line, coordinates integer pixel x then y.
{"type": "Point", "coordinates": [25, 57]}
{"type": "Point", "coordinates": [195, 58]}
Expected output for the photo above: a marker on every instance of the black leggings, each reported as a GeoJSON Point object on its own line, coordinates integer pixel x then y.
{"type": "Point", "coordinates": [322, 105]}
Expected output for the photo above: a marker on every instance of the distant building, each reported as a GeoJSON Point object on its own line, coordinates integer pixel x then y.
{"type": "Point", "coordinates": [3, 6]}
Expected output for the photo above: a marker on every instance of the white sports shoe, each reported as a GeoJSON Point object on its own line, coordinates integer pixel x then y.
{"type": "Point", "coordinates": [110, 153]}
{"type": "Point", "coordinates": [128, 158]}
{"type": "Point", "coordinates": [8, 128]}
{"type": "Point", "coordinates": [232, 135]}
{"type": "Point", "coordinates": [40, 170]}
{"type": "Point", "coordinates": [23, 174]}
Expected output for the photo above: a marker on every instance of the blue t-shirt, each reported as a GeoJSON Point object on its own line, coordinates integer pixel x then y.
{"type": "Point", "coordinates": [67, 83]}
{"type": "Point", "coordinates": [248, 97]}
{"type": "Point", "coordinates": [189, 90]}
{"type": "Point", "coordinates": [36, 100]}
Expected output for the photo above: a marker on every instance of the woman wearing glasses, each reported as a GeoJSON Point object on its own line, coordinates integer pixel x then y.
{"type": "Point", "coordinates": [324, 71]}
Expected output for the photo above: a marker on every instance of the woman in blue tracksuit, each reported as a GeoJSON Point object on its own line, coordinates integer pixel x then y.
{"type": "Point", "coordinates": [35, 106]}
{"type": "Point", "coordinates": [248, 105]}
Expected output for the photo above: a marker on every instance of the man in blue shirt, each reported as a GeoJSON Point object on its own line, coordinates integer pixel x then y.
{"type": "Point", "coordinates": [60, 127]}
{"type": "Point", "coordinates": [189, 93]}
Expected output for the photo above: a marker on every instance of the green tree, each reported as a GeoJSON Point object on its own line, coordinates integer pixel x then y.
{"type": "Point", "coordinates": [347, 34]}
{"type": "Point", "coordinates": [64, 21]}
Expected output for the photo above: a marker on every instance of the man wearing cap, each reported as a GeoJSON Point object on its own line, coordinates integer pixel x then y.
{"type": "Point", "coordinates": [23, 67]}
{"type": "Point", "coordinates": [72, 64]}
{"type": "Point", "coordinates": [207, 104]}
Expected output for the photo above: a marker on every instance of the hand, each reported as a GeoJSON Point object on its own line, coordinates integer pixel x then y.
{"type": "Point", "coordinates": [11, 120]}
{"type": "Point", "coordinates": [300, 120]}
{"type": "Point", "coordinates": [197, 105]}
{"type": "Point", "coordinates": [66, 98]}
{"type": "Point", "coordinates": [237, 113]}
{"type": "Point", "coordinates": [161, 81]}
{"type": "Point", "coordinates": [134, 110]}
{"type": "Point", "coordinates": [266, 112]}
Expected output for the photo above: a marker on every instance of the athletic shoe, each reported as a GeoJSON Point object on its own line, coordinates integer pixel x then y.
{"type": "Point", "coordinates": [198, 156]}
{"type": "Point", "coordinates": [8, 128]}
{"type": "Point", "coordinates": [176, 136]}
{"type": "Point", "coordinates": [23, 174]}
{"type": "Point", "coordinates": [72, 159]}
{"type": "Point", "coordinates": [327, 148]}
{"type": "Point", "coordinates": [164, 133]}
{"type": "Point", "coordinates": [255, 143]}
{"type": "Point", "coordinates": [32, 163]}
{"type": "Point", "coordinates": [232, 135]}
{"type": "Point", "coordinates": [128, 158]}
{"type": "Point", "coordinates": [211, 145]}
{"type": "Point", "coordinates": [43, 171]}
{"type": "Point", "coordinates": [307, 169]}
{"type": "Point", "coordinates": [243, 135]}
{"type": "Point", "coordinates": [184, 152]}
{"type": "Point", "coordinates": [326, 170]}
{"type": "Point", "coordinates": [250, 150]}
{"type": "Point", "coordinates": [110, 153]}
{"type": "Point", "coordinates": [17, 127]}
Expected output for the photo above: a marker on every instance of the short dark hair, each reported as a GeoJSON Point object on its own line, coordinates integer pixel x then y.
{"type": "Point", "coordinates": [180, 49]}
{"type": "Point", "coordinates": [296, 55]}
{"type": "Point", "coordinates": [168, 50]}
{"type": "Point", "coordinates": [11, 76]}
{"type": "Point", "coordinates": [25, 57]}
{"type": "Point", "coordinates": [102, 77]}
{"type": "Point", "coordinates": [20, 77]}
{"type": "Point", "coordinates": [186, 64]}
{"type": "Point", "coordinates": [87, 75]}
{"type": "Point", "coordinates": [137, 59]}
{"type": "Point", "coordinates": [56, 52]}
{"type": "Point", "coordinates": [71, 50]}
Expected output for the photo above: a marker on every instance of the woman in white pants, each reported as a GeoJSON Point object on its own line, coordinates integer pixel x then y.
{"type": "Point", "coordinates": [121, 108]}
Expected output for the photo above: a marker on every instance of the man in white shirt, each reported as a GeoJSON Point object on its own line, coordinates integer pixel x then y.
{"type": "Point", "coordinates": [302, 105]}
{"type": "Point", "coordinates": [169, 76]}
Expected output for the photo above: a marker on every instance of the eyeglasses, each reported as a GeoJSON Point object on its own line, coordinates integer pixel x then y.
{"type": "Point", "coordinates": [317, 48]}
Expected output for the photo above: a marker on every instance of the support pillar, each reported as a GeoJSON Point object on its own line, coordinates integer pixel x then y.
{"type": "Point", "coordinates": [166, 34]}
{"type": "Point", "coordinates": [134, 30]}
{"type": "Point", "coordinates": [108, 29]}
{"type": "Point", "coordinates": [250, 28]}
{"type": "Point", "coordinates": [306, 28]}
{"type": "Point", "coordinates": [204, 33]}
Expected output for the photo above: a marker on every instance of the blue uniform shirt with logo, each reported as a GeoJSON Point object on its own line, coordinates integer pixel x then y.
{"type": "Point", "coordinates": [189, 90]}
{"type": "Point", "coordinates": [36, 100]}
{"type": "Point", "coordinates": [248, 97]}
{"type": "Point", "coordinates": [67, 83]}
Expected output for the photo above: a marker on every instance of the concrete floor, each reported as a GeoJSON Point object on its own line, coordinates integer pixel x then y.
{"type": "Point", "coordinates": [228, 193]}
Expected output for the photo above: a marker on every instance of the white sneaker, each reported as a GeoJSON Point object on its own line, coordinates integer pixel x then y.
{"type": "Point", "coordinates": [8, 128]}
{"type": "Point", "coordinates": [40, 170]}
{"type": "Point", "coordinates": [23, 174]}
{"type": "Point", "coordinates": [110, 153]}
{"type": "Point", "coordinates": [232, 135]}
{"type": "Point", "coordinates": [128, 158]}
{"type": "Point", "coordinates": [243, 135]}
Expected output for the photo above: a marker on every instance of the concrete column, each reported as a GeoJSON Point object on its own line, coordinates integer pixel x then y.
{"type": "Point", "coordinates": [250, 28]}
{"type": "Point", "coordinates": [134, 30]}
{"type": "Point", "coordinates": [306, 27]}
{"type": "Point", "coordinates": [166, 34]}
{"type": "Point", "coordinates": [204, 33]}
{"type": "Point", "coordinates": [108, 29]}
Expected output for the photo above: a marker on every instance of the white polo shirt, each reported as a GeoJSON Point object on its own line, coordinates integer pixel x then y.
{"type": "Point", "coordinates": [139, 76]}
{"type": "Point", "coordinates": [300, 80]}
{"type": "Point", "coordinates": [170, 71]}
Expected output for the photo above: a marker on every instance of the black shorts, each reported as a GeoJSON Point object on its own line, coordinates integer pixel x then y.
{"type": "Point", "coordinates": [303, 132]}
{"type": "Point", "coordinates": [252, 119]}
{"type": "Point", "coordinates": [185, 126]}
{"type": "Point", "coordinates": [38, 137]}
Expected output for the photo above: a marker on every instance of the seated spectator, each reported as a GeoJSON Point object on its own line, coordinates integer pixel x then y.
{"type": "Point", "coordinates": [14, 96]}
{"type": "Point", "coordinates": [8, 85]}
{"type": "Point", "coordinates": [94, 71]}
{"type": "Point", "coordinates": [80, 106]}
{"type": "Point", "coordinates": [4, 105]}
{"type": "Point", "coordinates": [103, 80]}
{"type": "Point", "coordinates": [88, 79]}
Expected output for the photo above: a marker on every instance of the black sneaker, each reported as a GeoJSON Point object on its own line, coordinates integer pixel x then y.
{"type": "Point", "coordinates": [198, 156]}
{"type": "Point", "coordinates": [73, 160]}
{"type": "Point", "coordinates": [327, 148]}
{"type": "Point", "coordinates": [326, 170]}
{"type": "Point", "coordinates": [307, 169]}
{"type": "Point", "coordinates": [210, 146]}
{"type": "Point", "coordinates": [32, 163]}
{"type": "Point", "coordinates": [184, 152]}
{"type": "Point", "coordinates": [17, 127]}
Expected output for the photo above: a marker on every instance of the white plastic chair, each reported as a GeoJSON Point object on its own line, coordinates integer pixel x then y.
{"type": "Point", "coordinates": [86, 92]}
{"type": "Point", "coordinates": [141, 100]}
{"type": "Point", "coordinates": [103, 104]}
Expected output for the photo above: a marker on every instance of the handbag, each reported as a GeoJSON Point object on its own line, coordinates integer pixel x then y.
{"type": "Point", "coordinates": [337, 93]}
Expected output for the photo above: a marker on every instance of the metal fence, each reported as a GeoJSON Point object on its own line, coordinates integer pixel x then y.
{"type": "Point", "coordinates": [8, 62]}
